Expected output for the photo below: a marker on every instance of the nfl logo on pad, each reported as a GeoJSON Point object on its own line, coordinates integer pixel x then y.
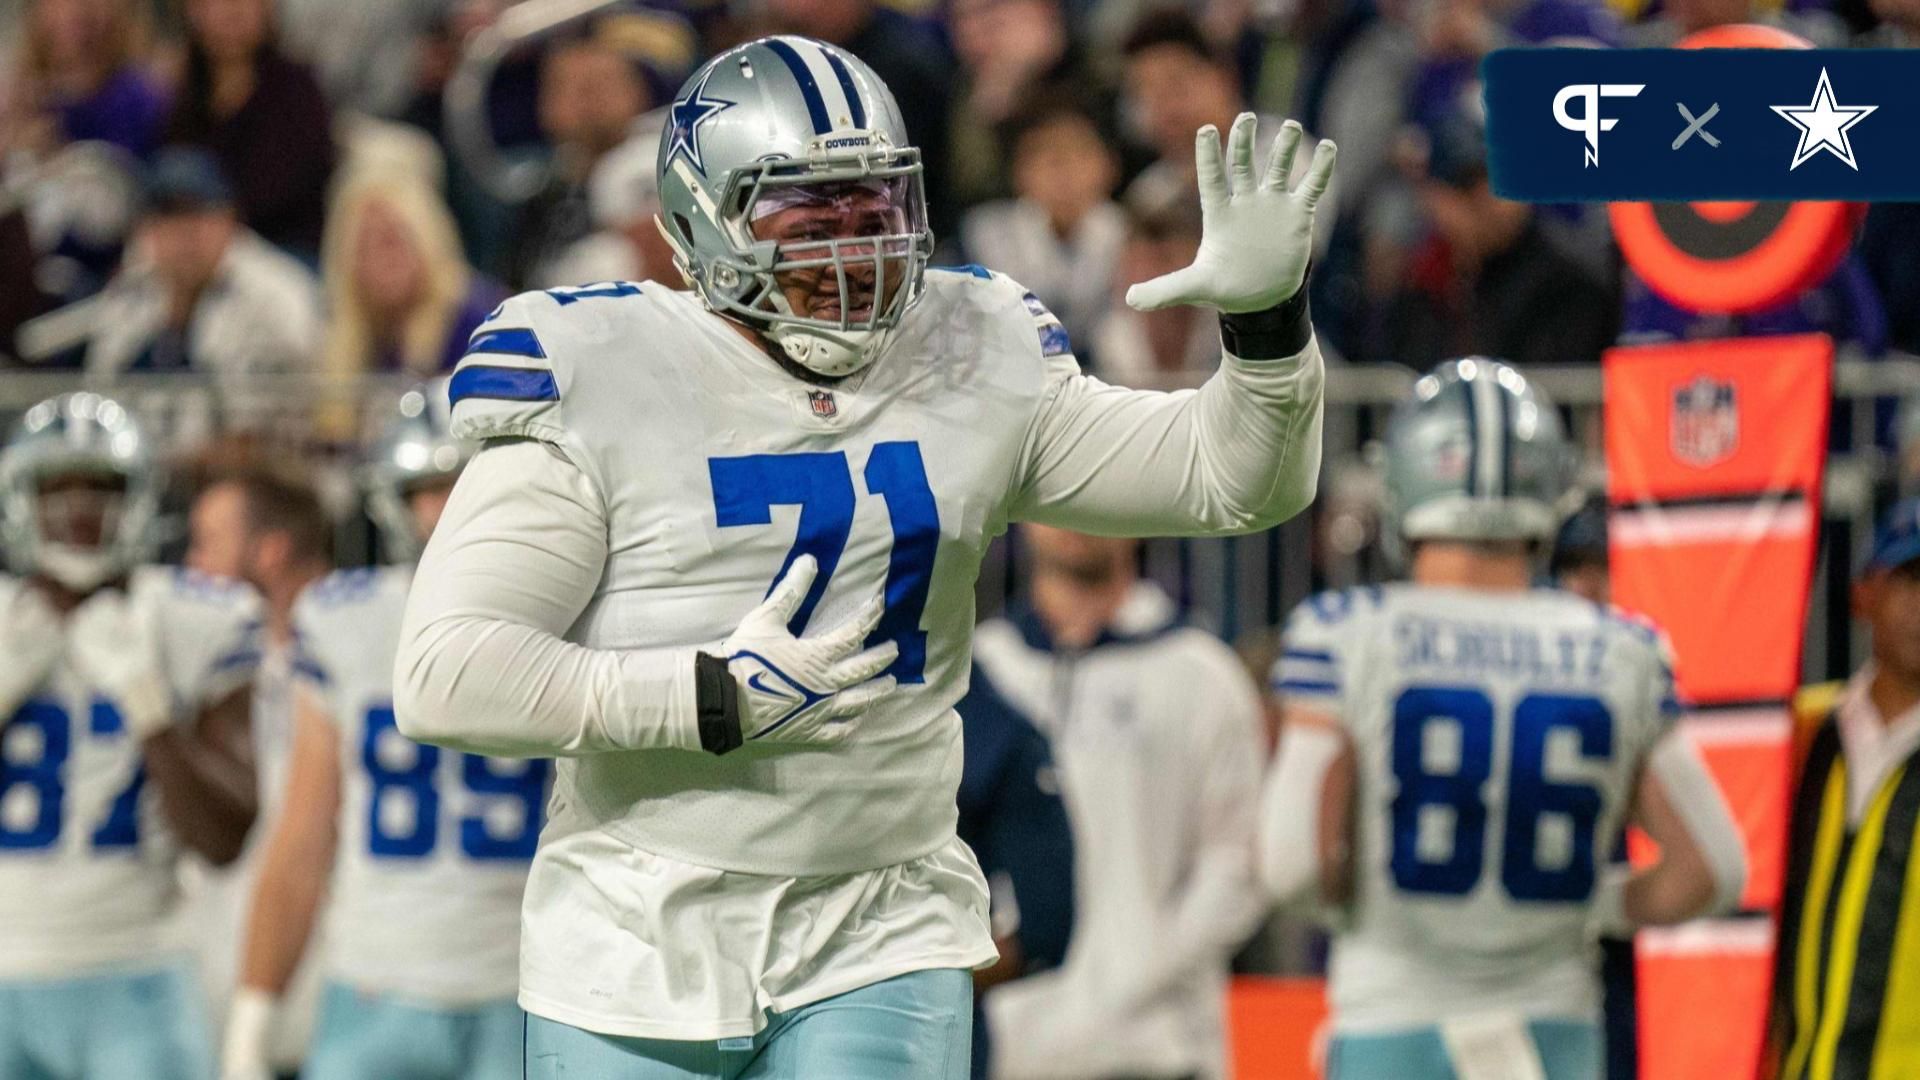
{"type": "Point", "coordinates": [822, 403]}
{"type": "Point", "coordinates": [1706, 422]}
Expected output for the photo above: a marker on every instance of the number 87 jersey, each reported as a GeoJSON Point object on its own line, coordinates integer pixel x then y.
{"type": "Point", "coordinates": [433, 845]}
{"type": "Point", "coordinates": [1497, 740]}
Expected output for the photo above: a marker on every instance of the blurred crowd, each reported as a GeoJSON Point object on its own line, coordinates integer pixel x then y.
{"type": "Point", "coordinates": [245, 189]}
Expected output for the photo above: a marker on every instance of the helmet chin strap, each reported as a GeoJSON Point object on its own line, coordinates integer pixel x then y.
{"type": "Point", "coordinates": [823, 355]}
{"type": "Point", "coordinates": [81, 570]}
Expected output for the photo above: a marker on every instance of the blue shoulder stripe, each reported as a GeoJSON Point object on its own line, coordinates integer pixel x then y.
{"type": "Point", "coordinates": [507, 341]}
{"type": "Point", "coordinates": [810, 90]}
{"type": "Point", "coordinates": [502, 384]}
{"type": "Point", "coordinates": [975, 269]}
{"type": "Point", "coordinates": [1307, 686]}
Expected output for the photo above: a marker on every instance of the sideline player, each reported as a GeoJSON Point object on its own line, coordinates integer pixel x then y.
{"type": "Point", "coordinates": [126, 693]}
{"type": "Point", "coordinates": [719, 554]}
{"type": "Point", "coordinates": [421, 853]}
{"type": "Point", "coordinates": [1459, 752]}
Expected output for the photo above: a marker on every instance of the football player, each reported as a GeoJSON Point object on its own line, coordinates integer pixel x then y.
{"type": "Point", "coordinates": [125, 689]}
{"type": "Point", "coordinates": [718, 554]}
{"type": "Point", "coordinates": [1459, 753]}
{"type": "Point", "coordinates": [421, 853]}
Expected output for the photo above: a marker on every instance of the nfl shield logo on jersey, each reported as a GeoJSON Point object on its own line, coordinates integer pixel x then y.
{"type": "Point", "coordinates": [822, 403]}
{"type": "Point", "coordinates": [1706, 422]}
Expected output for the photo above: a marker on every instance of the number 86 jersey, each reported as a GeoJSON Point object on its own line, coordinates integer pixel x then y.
{"type": "Point", "coordinates": [433, 845]}
{"type": "Point", "coordinates": [1497, 739]}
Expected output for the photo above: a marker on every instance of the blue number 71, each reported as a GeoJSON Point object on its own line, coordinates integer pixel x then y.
{"type": "Point", "coordinates": [746, 489]}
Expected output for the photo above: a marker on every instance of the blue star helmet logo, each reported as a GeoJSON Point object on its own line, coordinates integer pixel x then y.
{"type": "Point", "coordinates": [687, 116]}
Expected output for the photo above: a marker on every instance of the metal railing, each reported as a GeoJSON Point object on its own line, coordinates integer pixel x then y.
{"type": "Point", "coordinates": [1236, 585]}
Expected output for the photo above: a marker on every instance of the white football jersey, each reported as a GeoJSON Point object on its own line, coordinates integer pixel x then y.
{"type": "Point", "coordinates": [87, 861]}
{"type": "Point", "coordinates": [718, 469]}
{"type": "Point", "coordinates": [679, 894]}
{"type": "Point", "coordinates": [1497, 739]}
{"type": "Point", "coordinates": [433, 845]}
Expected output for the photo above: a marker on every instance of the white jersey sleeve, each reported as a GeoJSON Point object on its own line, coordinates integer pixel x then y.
{"type": "Point", "coordinates": [210, 630]}
{"type": "Point", "coordinates": [1241, 453]}
{"type": "Point", "coordinates": [1321, 631]}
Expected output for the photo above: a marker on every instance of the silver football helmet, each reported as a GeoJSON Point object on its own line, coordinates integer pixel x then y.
{"type": "Point", "coordinates": [782, 122]}
{"type": "Point", "coordinates": [417, 447]}
{"type": "Point", "coordinates": [1477, 453]}
{"type": "Point", "coordinates": [85, 536]}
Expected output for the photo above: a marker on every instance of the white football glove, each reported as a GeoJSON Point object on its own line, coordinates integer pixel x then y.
{"type": "Point", "coordinates": [804, 690]}
{"type": "Point", "coordinates": [116, 649]}
{"type": "Point", "coordinates": [1256, 236]}
{"type": "Point", "coordinates": [31, 641]}
{"type": "Point", "coordinates": [243, 1056]}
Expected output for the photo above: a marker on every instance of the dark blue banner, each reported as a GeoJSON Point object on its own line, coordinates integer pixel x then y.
{"type": "Point", "coordinates": [1577, 125]}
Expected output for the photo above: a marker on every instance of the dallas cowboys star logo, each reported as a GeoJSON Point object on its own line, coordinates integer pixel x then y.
{"type": "Point", "coordinates": [1823, 125]}
{"type": "Point", "coordinates": [687, 116]}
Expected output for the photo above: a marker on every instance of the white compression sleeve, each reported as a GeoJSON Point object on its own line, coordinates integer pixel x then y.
{"type": "Point", "coordinates": [1290, 811]}
{"type": "Point", "coordinates": [1697, 800]}
{"type": "Point", "coordinates": [482, 666]}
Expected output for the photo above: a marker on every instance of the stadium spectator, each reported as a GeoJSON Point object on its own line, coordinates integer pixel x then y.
{"type": "Point", "coordinates": [366, 54]}
{"type": "Point", "coordinates": [591, 92]}
{"type": "Point", "coordinates": [1150, 348]}
{"type": "Point", "coordinates": [1175, 82]}
{"type": "Point", "coordinates": [1010, 52]}
{"type": "Point", "coordinates": [270, 531]}
{"type": "Point", "coordinates": [1012, 817]}
{"type": "Point", "coordinates": [1062, 233]}
{"type": "Point", "coordinates": [909, 58]}
{"type": "Point", "coordinates": [79, 78]}
{"type": "Point", "coordinates": [400, 296]}
{"type": "Point", "coordinates": [1488, 280]}
{"type": "Point", "coordinates": [623, 197]}
{"type": "Point", "coordinates": [1158, 735]}
{"type": "Point", "coordinates": [1842, 1005]}
{"type": "Point", "coordinates": [262, 115]}
{"type": "Point", "coordinates": [202, 292]}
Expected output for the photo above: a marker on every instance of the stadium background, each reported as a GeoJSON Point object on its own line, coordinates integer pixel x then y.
{"type": "Point", "coordinates": [509, 149]}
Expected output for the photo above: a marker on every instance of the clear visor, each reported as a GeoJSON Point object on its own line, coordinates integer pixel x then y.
{"type": "Point", "coordinates": [845, 253]}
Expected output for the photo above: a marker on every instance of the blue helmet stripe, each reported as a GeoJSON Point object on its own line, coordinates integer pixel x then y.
{"type": "Point", "coordinates": [1473, 438]}
{"type": "Point", "coordinates": [810, 90]}
{"type": "Point", "coordinates": [1506, 441]}
{"type": "Point", "coordinates": [858, 108]}
{"type": "Point", "coordinates": [502, 384]}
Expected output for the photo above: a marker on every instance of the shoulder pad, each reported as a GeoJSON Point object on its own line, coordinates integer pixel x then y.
{"type": "Point", "coordinates": [506, 385]}
{"type": "Point", "coordinates": [343, 587]}
{"type": "Point", "coordinates": [513, 379]}
{"type": "Point", "coordinates": [1047, 327]}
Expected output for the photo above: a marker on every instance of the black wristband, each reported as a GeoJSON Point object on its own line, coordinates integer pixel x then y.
{"type": "Point", "coordinates": [1279, 331]}
{"type": "Point", "coordinates": [716, 704]}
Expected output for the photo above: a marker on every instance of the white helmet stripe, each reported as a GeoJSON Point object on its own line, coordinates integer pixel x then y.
{"type": "Point", "coordinates": [1490, 435]}
{"type": "Point", "coordinates": [832, 88]}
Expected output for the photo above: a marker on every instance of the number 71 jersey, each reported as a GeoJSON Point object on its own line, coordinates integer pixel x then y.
{"type": "Point", "coordinates": [714, 469]}
{"type": "Point", "coordinates": [433, 845]}
{"type": "Point", "coordinates": [1497, 739]}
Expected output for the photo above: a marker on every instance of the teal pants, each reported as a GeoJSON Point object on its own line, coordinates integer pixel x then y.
{"type": "Point", "coordinates": [147, 1025]}
{"type": "Point", "coordinates": [915, 1027]}
{"type": "Point", "coordinates": [1568, 1049]}
{"type": "Point", "coordinates": [360, 1036]}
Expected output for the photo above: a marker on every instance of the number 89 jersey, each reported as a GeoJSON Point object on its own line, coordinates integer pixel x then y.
{"type": "Point", "coordinates": [1497, 739]}
{"type": "Point", "coordinates": [433, 845]}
